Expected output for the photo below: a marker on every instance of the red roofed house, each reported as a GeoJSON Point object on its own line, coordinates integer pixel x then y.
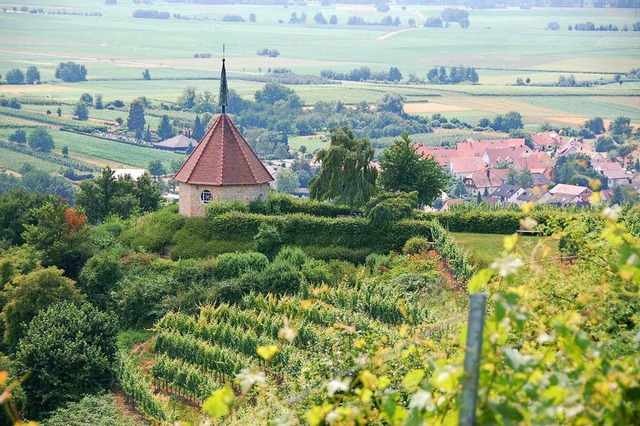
{"type": "Point", "coordinates": [496, 156]}
{"type": "Point", "coordinates": [546, 140]}
{"type": "Point", "coordinates": [442, 155]}
{"type": "Point", "coordinates": [463, 167]}
{"type": "Point", "coordinates": [223, 167]}
{"type": "Point", "coordinates": [485, 181]}
{"type": "Point", "coordinates": [472, 148]}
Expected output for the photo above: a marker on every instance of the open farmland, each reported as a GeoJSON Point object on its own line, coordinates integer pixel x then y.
{"type": "Point", "coordinates": [502, 44]}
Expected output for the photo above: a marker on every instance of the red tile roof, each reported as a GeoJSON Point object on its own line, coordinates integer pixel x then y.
{"type": "Point", "coordinates": [442, 155]}
{"type": "Point", "coordinates": [223, 157]}
{"type": "Point", "coordinates": [546, 139]}
{"type": "Point", "coordinates": [472, 148]}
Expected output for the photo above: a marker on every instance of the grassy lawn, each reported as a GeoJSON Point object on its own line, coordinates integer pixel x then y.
{"type": "Point", "coordinates": [485, 248]}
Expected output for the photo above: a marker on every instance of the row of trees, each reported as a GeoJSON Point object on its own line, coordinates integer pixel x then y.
{"type": "Point", "coordinates": [348, 177]}
{"type": "Point", "coordinates": [438, 75]}
{"type": "Point", "coordinates": [16, 76]}
{"type": "Point", "coordinates": [363, 73]}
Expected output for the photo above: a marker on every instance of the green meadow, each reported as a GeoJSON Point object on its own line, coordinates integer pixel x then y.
{"type": "Point", "coordinates": [502, 44]}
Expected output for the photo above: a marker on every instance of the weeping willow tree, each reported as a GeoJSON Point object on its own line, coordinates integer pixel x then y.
{"type": "Point", "coordinates": [347, 176]}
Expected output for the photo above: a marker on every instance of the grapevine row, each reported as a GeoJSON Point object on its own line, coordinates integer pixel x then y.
{"type": "Point", "coordinates": [453, 255]}
{"type": "Point", "coordinates": [182, 377]}
{"type": "Point", "coordinates": [221, 361]}
{"type": "Point", "coordinates": [137, 389]}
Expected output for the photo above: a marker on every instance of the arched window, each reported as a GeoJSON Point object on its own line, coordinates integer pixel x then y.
{"type": "Point", "coordinates": [206, 196]}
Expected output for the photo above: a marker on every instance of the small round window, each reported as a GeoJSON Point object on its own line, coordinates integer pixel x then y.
{"type": "Point", "coordinates": [205, 196]}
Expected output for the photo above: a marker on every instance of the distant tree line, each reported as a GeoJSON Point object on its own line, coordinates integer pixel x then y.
{"type": "Point", "coordinates": [232, 18]}
{"type": "Point", "coordinates": [16, 76]}
{"type": "Point", "coordinates": [503, 123]}
{"type": "Point", "coordinates": [272, 53]}
{"type": "Point", "coordinates": [362, 74]}
{"type": "Point", "coordinates": [438, 75]}
{"type": "Point", "coordinates": [71, 72]}
{"type": "Point", "coordinates": [386, 21]}
{"type": "Point", "coordinates": [150, 14]}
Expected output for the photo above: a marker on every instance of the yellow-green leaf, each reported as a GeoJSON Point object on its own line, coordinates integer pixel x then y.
{"type": "Point", "coordinates": [268, 352]}
{"type": "Point", "coordinates": [479, 280]}
{"type": "Point", "coordinates": [316, 415]}
{"type": "Point", "coordinates": [217, 405]}
{"type": "Point", "coordinates": [413, 378]}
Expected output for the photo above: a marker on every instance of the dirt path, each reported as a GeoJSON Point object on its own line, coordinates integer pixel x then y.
{"type": "Point", "coordinates": [446, 273]}
{"type": "Point", "coordinates": [391, 34]}
{"type": "Point", "coordinates": [419, 14]}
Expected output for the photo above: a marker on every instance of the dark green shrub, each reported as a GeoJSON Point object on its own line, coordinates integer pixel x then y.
{"type": "Point", "coordinates": [99, 277]}
{"type": "Point", "coordinates": [139, 299]}
{"type": "Point", "coordinates": [189, 271]}
{"type": "Point", "coordinates": [268, 240]}
{"type": "Point", "coordinates": [70, 351]}
{"type": "Point", "coordinates": [232, 265]}
{"type": "Point", "coordinates": [154, 231]}
{"type": "Point", "coordinates": [279, 278]}
{"type": "Point", "coordinates": [292, 255]}
{"type": "Point", "coordinates": [355, 256]}
{"type": "Point", "coordinates": [316, 272]}
{"type": "Point", "coordinates": [217, 208]}
{"type": "Point", "coordinates": [377, 262]}
{"type": "Point", "coordinates": [429, 283]}
{"type": "Point", "coordinates": [91, 410]}
{"type": "Point", "coordinates": [416, 245]}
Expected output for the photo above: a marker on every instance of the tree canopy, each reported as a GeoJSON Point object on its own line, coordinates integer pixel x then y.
{"type": "Point", "coordinates": [403, 169]}
{"type": "Point", "coordinates": [347, 175]}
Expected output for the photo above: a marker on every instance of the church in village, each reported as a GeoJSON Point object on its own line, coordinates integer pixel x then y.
{"type": "Point", "coordinates": [223, 166]}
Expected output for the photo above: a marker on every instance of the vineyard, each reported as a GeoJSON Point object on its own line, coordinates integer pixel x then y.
{"type": "Point", "coordinates": [193, 355]}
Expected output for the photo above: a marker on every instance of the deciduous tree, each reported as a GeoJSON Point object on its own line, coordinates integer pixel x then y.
{"type": "Point", "coordinates": [403, 169]}
{"type": "Point", "coordinates": [347, 175]}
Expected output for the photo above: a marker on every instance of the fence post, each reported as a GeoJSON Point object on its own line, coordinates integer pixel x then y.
{"type": "Point", "coordinates": [469, 397]}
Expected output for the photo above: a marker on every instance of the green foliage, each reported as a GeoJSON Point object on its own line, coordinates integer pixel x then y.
{"type": "Point", "coordinates": [405, 171]}
{"type": "Point", "coordinates": [71, 72]}
{"type": "Point", "coordinates": [40, 140]}
{"type": "Point", "coordinates": [81, 112]}
{"type": "Point", "coordinates": [217, 208]}
{"type": "Point", "coordinates": [277, 204]}
{"type": "Point", "coordinates": [16, 207]}
{"type": "Point", "coordinates": [287, 180]}
{"type": "Point", "coordinates": [232, 265]}
{"type": "Point", "coordinates": [416, 245]}
{"type": "Point", "coordinates": [279, 277]}
{"type": "Point", "coordinates": [60, 234]}
{"type": "Point", "coordinates": [453, 255]}
{"type": "Point", "coordinates": [377, 262]}
{"type": "Point", "coordinates": [347, 176]}
{"type": "Point", "coordinates": [268, 240]}
{"type": "Point", "coordinates": [165, 128]}
{"type": "Point", "coordinates": [292, 255]}
{"type": "Point", "coordinates": [32, 293]}
{"type": "Point", "coordinates": [105, 196]}
{"type": "Point", "coordinates": [388, 208]}
{"type": "Point", "coordinates": [140, 299]}
{"type": "Point", "coordinates": [99, 277]}
{"type": "Point", "coordinates": [136, 121]}
{"type": "Point", "coordinates": [522, 178]}
{"type": "Point", "coordinates": [101, 409]}
{"type": "Point", "coordinates": [137, 388]}
{"type": "Point", "coordinates": [70, 351]}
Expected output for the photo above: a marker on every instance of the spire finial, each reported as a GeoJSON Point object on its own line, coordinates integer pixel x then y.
{"type": "Point", "coordinates": [224, 96]}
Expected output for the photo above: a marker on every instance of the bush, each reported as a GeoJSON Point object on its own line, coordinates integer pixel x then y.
{"type": "Point", "coordinates": [268, 240]}
{"type": "Point", "coordinates": [99, 277]}
{"type": "Point", "coordinates": [91, 410]}
{"type": "Point", "coordinates": [428, 283]}
{"type": "Point", "coordinates": [355, 256]}
{"type": "Point", "coordinates": [70, 352]}
{"type": "Point", "coordinates": [278, 278]}
{"type": "Point", "coordinates": [218, 208]}
{"type": "Point", "coordinates": [378, 262]}
{"type": "Point", "coordinates": [154, 231]}
{"type": "Point", "coordinates": [232, 265]}
{"type": "Point", "coordinates": [416, 245]}
{"type": "Point", "coordinates": [139, 299]}
{"type": "Point", "coordinates": [316, 272]}
{"type": "Point", "coordinates": [293, 256]}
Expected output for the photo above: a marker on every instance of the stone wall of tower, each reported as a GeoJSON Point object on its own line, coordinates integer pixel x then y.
{"type": "Point", "coordinates": [190, 204]}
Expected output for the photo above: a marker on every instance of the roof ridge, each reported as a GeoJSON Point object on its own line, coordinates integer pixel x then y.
{"type": "Point", "coordinates": [234, 129]}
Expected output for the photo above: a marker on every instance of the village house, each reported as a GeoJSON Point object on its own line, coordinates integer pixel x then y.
{"type": "Point", "coordinates": [473, 148]}
{"type": "Point", "coordinates": [546, 141]}
{"type": "Point", "coordinates": [442, 155]}
{"type": "Point", "coordinates": [495, 157]}
{"type": "Point", "coordinates": [530, 195]}
{"type": "Point", "coordinates": [178, 143]}
{"type": "Point", "coordinates": [631, 160]}
{"type": "Point", "coordinates": [564, 194]}
{"type": "Point", "coordinates": [223, 167]}
{"type": "Point", "coordinates": [464, 166]}
{"type": "Point", "coordinates": [485, 181]}
{"type": "Point", "coordinates": [508, 193]}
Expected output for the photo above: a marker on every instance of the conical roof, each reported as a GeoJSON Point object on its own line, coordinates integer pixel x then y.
{"type": "Point", "coordinates": [223, 157]}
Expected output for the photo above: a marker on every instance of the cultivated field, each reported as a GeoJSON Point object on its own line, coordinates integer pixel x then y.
{"type": "Point", "coordinates": [502, 44]}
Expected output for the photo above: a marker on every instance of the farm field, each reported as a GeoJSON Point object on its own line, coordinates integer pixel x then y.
{"type": "Point", "coordinates": [115, 49]}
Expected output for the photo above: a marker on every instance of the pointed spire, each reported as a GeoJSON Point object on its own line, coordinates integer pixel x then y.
{"type": "Point", "coordinates": [223, 98]}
